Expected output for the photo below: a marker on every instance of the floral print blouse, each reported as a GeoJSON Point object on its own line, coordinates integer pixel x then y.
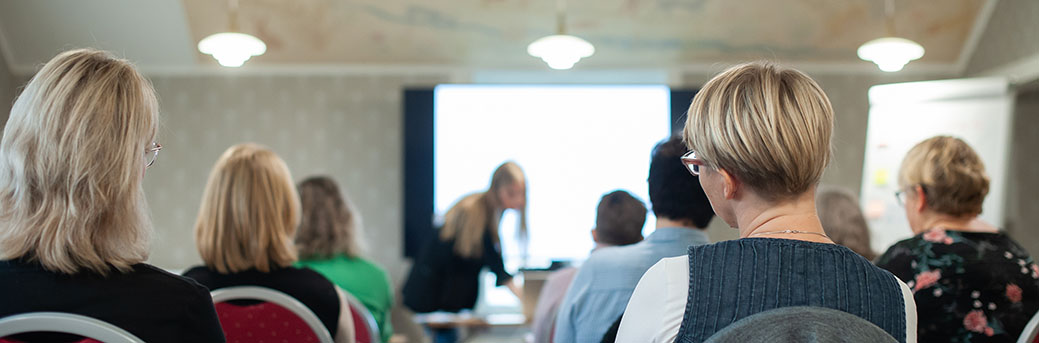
{"type": "Point", "coordinates": [968, 286]}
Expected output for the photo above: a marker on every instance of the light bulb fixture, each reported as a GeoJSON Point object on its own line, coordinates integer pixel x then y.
{"type": "Point", "coordinates": [560, 51]}
{"type": "Point", "coordinates": [232, 49]}
{"type": "Point", "coordinates": [890, 53]}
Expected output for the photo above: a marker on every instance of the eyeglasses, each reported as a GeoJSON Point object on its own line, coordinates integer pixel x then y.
{"type": "Point", "coordinates": [151, 154]}
{"type": "Point", "coordinates": [692, 163]}
{"type": "Point", "coordinates": [900, 195]}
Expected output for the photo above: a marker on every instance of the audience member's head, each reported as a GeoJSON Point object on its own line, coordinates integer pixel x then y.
{"type": "Point", "coordinates": [765, 129]}
{"type": "Point", "coordinates": [249, 212]}
{"type": "Point", "coordinates": [944, 176]}
{"type": "Point", "coordinates": [843, 221]}
{"type": "Point", "coordinates": [72, 159]}
{"type": "Point", "coordinates": [673, 193]}
{"type": "Point", "coordinates": [619, 219]}
{"type": "Point", "coordinates": [476, 214]}
{"type": "Point", "coordinates": [330, 224]}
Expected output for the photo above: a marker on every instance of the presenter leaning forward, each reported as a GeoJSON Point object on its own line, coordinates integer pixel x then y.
{"type": "Point", "coordinates": [445, 276]}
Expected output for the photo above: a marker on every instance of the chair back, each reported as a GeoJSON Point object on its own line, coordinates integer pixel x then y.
{"type": "Point", "coordinates": [1031, 331]}
{"type": "Point", "coordinates": [366, 329]}
{"type": "Point", "coordinates": [801, 324]}
{"type": "Point", "coordinates": [91, 329]}
{"type": "Point", "coordinates": [278, 317]}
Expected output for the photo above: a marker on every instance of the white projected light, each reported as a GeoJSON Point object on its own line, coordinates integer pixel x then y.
{"type": "Point", "coordinates": [574, 143]}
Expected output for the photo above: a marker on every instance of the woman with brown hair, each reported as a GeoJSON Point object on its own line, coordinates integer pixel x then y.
{"type": "Point", "coordinates": [446, 273]}
{"type": "Point", "coordinates": [842, 219]}
{"type": "Point", "coordinates": [971, 282]}
{"type": "Point", "coordinates": [329, 242]}
{"type": "Point", "coordinates": [244, 233]}
{"type": "Point", "coordinates": [74, 223]}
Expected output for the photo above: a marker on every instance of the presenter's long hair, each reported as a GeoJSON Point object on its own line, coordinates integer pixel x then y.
{"type": "Point", "coordinates": [479, 214]}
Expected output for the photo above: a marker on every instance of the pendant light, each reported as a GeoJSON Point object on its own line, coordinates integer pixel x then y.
{"type": "Point", "coordinates": [560, 51]}
{"type": "Point", "coordinates": [890, 53]}
{"type": "Point", "coordinates": [233, 48]}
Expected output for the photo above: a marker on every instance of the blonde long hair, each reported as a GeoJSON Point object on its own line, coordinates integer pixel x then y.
{"type": "Point", "coordinates": [249, 212]}
{"type": "Point", "coordinates": [71, 166]}
{"type": "Point", "coordinates": [476, 214]}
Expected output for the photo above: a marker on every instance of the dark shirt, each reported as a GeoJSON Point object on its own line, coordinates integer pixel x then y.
{"type": "Point", "coordinates": [150, 303]}
{"type": "Point", "coordinates": [968, 286]}
{"type": "Point", "coordinates": [303, 284]}
{"type": "Point", "coordinates": [441, 280]}
{"type": "Point", "coordinates": [611, 334]}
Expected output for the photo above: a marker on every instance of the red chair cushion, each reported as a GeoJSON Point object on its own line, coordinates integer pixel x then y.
{"type": "Point", "coordinates": [262, 323]}
{"type": "Point", "coordinates": [361, 327]}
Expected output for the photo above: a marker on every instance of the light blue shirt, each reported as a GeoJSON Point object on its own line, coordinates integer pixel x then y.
{"type": "Point", "coordinates": [603, 285]}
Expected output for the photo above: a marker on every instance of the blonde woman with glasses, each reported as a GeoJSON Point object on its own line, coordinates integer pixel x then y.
{"type": "Point", "coordinates": [972, 283]}
{"type": "Point", "coordinates": [74, 226]}
{"type": "Point", "coordinates": [244, 233]}
{"type": "Point", "coordinates": [759, 139]}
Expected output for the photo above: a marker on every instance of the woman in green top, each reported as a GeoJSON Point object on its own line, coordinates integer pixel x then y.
{"type": "Point", "coordinates": [328, 242]}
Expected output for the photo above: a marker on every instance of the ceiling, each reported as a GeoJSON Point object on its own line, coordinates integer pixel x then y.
{"type": "Point", "coordinates": [645, 34]}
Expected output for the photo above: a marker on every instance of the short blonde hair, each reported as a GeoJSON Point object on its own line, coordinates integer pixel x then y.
{"type": "Point", "coordinates": [330, 223]}
{"type": "Point", "coordinates": [767, 125]}
{"type": "Point", "coordinates": [951, 174]}
{"type": "Point", "coordinates": [249, 212]}
{"type": "Point", "coordinates": [71, 166]}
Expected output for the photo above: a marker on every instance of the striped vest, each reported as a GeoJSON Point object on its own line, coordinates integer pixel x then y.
{"type": "Point", "coordinates": [734, 279]}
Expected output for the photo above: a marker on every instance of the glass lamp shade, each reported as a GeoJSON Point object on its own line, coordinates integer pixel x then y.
{"type": "Point", "coordinates": [891, 53]}
{"type": "Point", "coordinates": [232, 49]}
{"type": "Point", "coordinates": [560, 51]}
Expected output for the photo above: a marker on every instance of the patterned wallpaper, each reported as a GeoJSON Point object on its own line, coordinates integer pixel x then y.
{"type": "Point", "coordinates": [343, 126]}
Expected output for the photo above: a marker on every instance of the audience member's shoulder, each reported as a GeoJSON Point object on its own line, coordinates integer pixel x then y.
{"type": "Point", "coordinates": [170, 280]}
{"type": "Point", "coordinates": [902, 247]}
{"type": "Point", "coordinates": [306, 274]}
{"type": "Point", "coordinates": [561, 274]}
{"type": "Point", "coordinates": [606, 256]}
{"type": "Point", "coordinates": [375, 268]}
{"type": "Point", "coordinates": [197, 273]}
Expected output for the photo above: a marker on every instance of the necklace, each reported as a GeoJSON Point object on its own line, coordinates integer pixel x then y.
{"type": "Point", "coordinates": [788, 231]}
